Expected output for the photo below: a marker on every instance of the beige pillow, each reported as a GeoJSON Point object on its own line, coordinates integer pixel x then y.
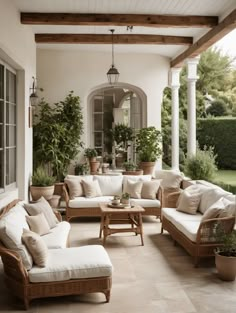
{"type": "Point", "coordinates": [221, 208]}
{"type": "Point", "coordinates": [133, 188]}
{"type": "Point", "coordinates": [188, 203]}
{"type": "Point", "coordinates": [42, 206]}
{"type": "Point", "coordinates": [38, 224]}
{"type": "Point", "coordinates": [36, 247]}
{"type": "Point", "coordinates": [75, 188]}
{"type": "Point", "coordinates": [150, 189]}
{"type": "Point", "coordinates": [91, 189]}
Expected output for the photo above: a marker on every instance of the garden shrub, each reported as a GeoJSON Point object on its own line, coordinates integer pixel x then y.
{"type": "Point", "coordinates": [219, 133]}
{"type": "Point", "coordinates": [202, 165]}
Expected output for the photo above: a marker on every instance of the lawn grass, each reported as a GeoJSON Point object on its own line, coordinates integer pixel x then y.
{"type": "Point", "coordinates": [226, 176]}
{"type": "Point", "coordinates": [226, 179]}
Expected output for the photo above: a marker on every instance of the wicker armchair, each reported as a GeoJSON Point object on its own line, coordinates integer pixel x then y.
{"type": "Point", "coordinates": [206, 240]}
{"type": "Point", "coordinates": [17, 279]}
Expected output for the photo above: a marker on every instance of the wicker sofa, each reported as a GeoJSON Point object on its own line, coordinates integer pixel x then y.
{"type": "Point", "coordinates": [69, 271]}
{"type": "Point", "coordinates": [110, 185]}
{"type": "Point", "coordinates": [196, 235]}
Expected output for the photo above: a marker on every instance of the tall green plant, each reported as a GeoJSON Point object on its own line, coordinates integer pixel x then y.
{"type": "Point", "coordinates": [57, 134]}
{"type": "Point", "coordinates": [148, 144]}
{"type": "Point", "coordinates": [202, 165]}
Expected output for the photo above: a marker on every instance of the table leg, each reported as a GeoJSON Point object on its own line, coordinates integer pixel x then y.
{"type": "Point", "coordinates": [141, 227]}
{"type": "Point", "coordinates": [106, 228]}
{"type": "Point", "coordinates": [101, 226]}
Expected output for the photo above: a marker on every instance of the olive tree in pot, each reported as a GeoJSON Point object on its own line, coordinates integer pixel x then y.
{"type": "Point", "coordinates": [57, 134]}
{"type": "Point", "coordinates": [91, 155]}
{"type": "Point", "coordinates": [148, 148]}
{"type": "Point", "coordinates": [225, 254]}
{"type": "Point", "coordinates": [42, 184]}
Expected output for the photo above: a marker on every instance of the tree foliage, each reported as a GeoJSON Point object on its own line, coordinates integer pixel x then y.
{"type": "Point", "coordinates": [217, 78]}
{"type": "Point", "coordinates": [57, 134]}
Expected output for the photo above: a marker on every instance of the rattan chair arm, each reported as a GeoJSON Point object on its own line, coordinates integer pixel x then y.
{"type": "Point", "coordinates": [65, 194]}
{"type": "Point", "coordinates": [13, 265]}
{"type": "Point", "coordinates": [207, 229]}
{"type": "Point", "coordinates": [172, 198]}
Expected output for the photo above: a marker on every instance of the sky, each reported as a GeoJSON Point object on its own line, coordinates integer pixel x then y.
{"type": "Point", "coordinates": [228, 44]}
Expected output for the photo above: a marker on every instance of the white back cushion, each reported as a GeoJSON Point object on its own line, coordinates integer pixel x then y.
{"type": "Point", "coordinates": [170, 178]}
{"type": "Point", "coordinates": [11, 229]}
{"type": "Point", "coordinates": [135, 178]}
{"type": "Point", "coordinates": [209, 197]}
{"type": "Point", "coordinates": [110, 185]}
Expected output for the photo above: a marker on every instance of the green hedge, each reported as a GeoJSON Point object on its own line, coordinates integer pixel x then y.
{"type": "Point", "coordinates": [221, 134]}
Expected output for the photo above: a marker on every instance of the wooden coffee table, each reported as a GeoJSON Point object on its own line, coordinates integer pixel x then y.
{"type": "Point", "coordinates": [115, 216]}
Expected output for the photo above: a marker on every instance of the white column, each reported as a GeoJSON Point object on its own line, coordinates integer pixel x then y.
{"type": "Point", "coordinates": [174, 84]}
{"type": "Point", "coordinates": [191, 79]}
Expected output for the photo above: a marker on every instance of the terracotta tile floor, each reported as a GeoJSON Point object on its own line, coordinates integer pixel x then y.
{"type": "Point", "coordinates": [155, 278]}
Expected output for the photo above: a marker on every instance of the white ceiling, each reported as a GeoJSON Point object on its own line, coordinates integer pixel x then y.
{"type": "Point", "coordinates": [175, 7]}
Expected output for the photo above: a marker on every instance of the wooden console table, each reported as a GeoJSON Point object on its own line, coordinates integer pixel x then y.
{"type": "Point", "coordinates": [115, 216]}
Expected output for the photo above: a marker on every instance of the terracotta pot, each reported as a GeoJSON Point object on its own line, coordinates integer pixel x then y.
{"type": "Point", "coordinates": [94, 166]}
{"type": "Point", "coordinates": [226, 267]}
{"type": "Point", "coordinates": [38, 192]}
{"type": "Point", "coordinates": [147, 167]}
{"type": "Point", "coordinates": [137, 172]}
{"type": "Point", "coordinates": [125, 201]}
{"type": "Point", "coordinates": [93, 159]}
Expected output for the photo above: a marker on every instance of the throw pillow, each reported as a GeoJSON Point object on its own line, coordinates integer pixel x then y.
{"type": "Point", "coordinates": [221, 208]}
{"type": "Point", "coordinates": [150, 189]}
{"type": "Point", "coordinates": [91, 189]}
{"type": "Point", "coordinates": [188, 202]}
{"type": "Point", "coordinates": [133, 189]}
{"type": "Point", "coordinates": [42, 206]}
{"type": "Point", "coordinates": [75, 188]}
{"type": "Point", "coordinates": [36, 247]}
{"type": "Point", "coordinates": [38, 224]}
{"type": "Point", "coordinates": [170, 178]}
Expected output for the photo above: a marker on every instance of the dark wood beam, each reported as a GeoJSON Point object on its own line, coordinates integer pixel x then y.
{"type": "Point", "coordinates": [117, 39]}
{"type": "Point", "coordinates": [118, 20]}
{"type": "Point", "coordinates": [211, 37]}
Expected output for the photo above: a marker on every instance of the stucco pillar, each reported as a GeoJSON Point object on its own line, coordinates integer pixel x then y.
{"type": "Point", "coordinates": [191, 79]}
{"type": "Point", "coordinates": [174, 84]}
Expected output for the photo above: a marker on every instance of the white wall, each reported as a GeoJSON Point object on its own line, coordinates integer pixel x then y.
{"type": "Point", "coordinates": [18, 49]}
{"type": "Point", "coordinates": [60, 71]}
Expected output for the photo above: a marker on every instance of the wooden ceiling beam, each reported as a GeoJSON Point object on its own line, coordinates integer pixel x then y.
{"type": "Point", "coordinates": [118, 19]}
{"type": "Point", "coordinates": [211, 37]}
{"type": "Point", "coordinates": [117, 39]}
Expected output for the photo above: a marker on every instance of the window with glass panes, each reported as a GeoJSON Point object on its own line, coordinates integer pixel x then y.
{"type": "Point", "coordinates": [7, 127]}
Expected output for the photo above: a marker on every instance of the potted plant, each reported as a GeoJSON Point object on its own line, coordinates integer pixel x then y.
{"type": "Point", "coordinates": [42, 184]}
{"type": "Point", "coordinates": [91, 155]}
{"type": "Point", "coordinates": [121, 136]}
{"type": "Point", "coordinates": [225, 255]}
{"type": "Point", "coordinates": [131, 169]}
{"type": "Point", "coordinates": [57, 133]}
{"type": "Point", "coordinates": [81, 169]}
{"type": "Point", "coordinates": [116, 200]}
{"type": "Point", "coordinates": [125, 199]}
{"type": "Point", "coordinates": [148, 148]}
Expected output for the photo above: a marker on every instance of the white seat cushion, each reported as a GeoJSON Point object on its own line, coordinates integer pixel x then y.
{"type": "Point", "coordinates": [57, 238]}
{"type": "Point", "coordinates": [82, 202]}
{"type": "Point", "coordinates": [173, 215]}
{"type": "Point", "coordinates": [110, 185]}
{"type": "Point", "coordinates": [186, 223]}
{"type": "Point", "coordinates": [146, 203]}
{"type": "Point", "coordinates": [73, 263]}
